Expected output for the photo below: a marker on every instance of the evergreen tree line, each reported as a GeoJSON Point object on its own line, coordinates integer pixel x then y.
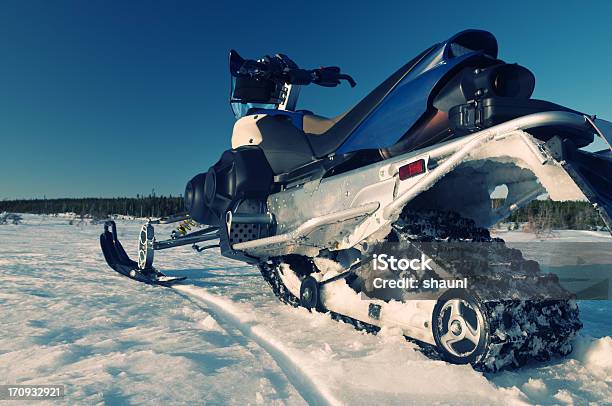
{"type": "Point", "coordinates": [548, 215]}
{"type": "Point", "coordinates": [140, 206]}
{"type": "Point", "coordinates": [539, 214]}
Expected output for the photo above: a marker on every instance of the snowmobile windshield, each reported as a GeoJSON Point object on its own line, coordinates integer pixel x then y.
{"type": "Point", "coordinates": [240, 108]}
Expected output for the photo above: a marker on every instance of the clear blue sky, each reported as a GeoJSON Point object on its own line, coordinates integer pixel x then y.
{"type": "Point", "coordinates": [103, 98]}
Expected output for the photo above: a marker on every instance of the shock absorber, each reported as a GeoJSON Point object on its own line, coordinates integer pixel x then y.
{"type": "Point", "coordinates": [183, 228]}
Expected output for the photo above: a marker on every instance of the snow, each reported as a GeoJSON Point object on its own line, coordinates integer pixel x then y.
{"type": "Point", "coordinates": [223, 338]}
{"type": "Point", "coordinates": [597, 356]}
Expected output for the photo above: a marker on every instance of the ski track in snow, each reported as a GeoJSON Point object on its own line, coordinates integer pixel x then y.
{"type": "Point", "coordinates": [222, 337]}
{"type": "Point", "coordinates": [315, 393]}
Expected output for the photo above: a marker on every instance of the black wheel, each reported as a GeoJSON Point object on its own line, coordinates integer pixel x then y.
{"type": "Point", "coordinates": [459, 327]}
{"type": "Point", "coordinates": [309, 294]}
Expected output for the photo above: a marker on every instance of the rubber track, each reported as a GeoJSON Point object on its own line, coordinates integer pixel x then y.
{"type": "Point", "coordinates": [551, 324]}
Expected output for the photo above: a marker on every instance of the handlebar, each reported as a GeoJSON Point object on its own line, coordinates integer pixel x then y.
{"type": "Point", "coordinates": [281, 68]}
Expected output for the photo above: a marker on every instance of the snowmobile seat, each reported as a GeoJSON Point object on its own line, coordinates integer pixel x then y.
{"type": "Point", "coordinates": [317, 125]}
{"type": "Point", "coordinates": [325, 142]}
{"type": "Point", "coordinates": [283, 135]}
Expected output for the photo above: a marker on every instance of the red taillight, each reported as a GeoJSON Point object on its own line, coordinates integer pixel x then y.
{"type": "Point", "coordinates": [412, 169]}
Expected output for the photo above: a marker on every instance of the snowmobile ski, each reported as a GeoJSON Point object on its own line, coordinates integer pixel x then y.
{"type": "Point", "coordinates": [117, 259]}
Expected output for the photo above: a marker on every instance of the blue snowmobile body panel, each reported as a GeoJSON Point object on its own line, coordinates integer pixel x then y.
{"type": "Point", "coordinates": [408, 100]}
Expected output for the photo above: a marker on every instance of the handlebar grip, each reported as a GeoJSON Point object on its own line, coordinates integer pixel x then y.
{"type": "Point", "coordinates": [349, 79]}
{"type": "Point", "coordinates": [299, 77]}
{"type": "Point", "coordinates": [330, 77]}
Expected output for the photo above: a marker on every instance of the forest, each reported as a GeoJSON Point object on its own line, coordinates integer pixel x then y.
{"type": "Point", "coordinates": [548, 215]}
{"type": "Point", "coordinates": [139, 206]}
{"type": "Point", "coordinates": [538, 215]}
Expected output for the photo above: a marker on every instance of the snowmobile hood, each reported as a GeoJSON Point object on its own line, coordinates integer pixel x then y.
{"type": "Point", "coordinates": [407, 100]}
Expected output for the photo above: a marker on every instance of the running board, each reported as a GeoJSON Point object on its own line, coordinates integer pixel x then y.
{"type": "Point", "coordinates": [308, 227]}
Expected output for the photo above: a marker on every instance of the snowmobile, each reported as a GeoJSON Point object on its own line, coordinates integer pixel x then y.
{"type": "Point", "coordinates": [309, 199]}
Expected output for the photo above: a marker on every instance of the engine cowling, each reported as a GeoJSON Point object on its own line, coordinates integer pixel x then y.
{"type": "Point", "coordinates": [195, 201]}
{"type": "Point", "coordinates": [241, 173]}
